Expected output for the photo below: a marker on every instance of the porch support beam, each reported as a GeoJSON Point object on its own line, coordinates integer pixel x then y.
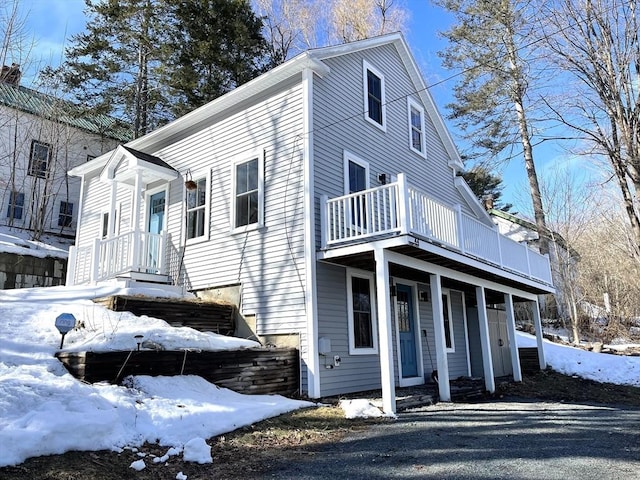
{"type": "Point", "coordinates": [442, 363]}
{"type": "Point", "coordinates": [485, 341]}
{"type": "Point", "coordinates": [384, 329]}
{"type": "Point", "coordinates": [137, 196]}
{"type": "Point", "coordinates": [513, 340]}
{"type": "Point", "coordinates": [537, 322]}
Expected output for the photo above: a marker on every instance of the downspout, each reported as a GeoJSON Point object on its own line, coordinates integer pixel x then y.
{"type": "Point", "coordinates": [311, 304]}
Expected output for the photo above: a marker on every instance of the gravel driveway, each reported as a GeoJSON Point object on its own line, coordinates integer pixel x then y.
{"type": "Point", "coordinates": [505, 439]}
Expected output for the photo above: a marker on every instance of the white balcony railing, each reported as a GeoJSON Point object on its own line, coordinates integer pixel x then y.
{"type": "Point", "coordinates": [398, 208]}
{"type": "Point", "coordinates": [109, 257]}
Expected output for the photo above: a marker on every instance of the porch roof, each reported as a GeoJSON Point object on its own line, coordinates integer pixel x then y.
{"type": "Point", "coordinates": [125, 163]}
{"type": "Point", "coordinates": [361, 256]}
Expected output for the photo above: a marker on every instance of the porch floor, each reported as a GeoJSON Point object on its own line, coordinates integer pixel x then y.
{"type": "Point", "coordinates": [407, 398]}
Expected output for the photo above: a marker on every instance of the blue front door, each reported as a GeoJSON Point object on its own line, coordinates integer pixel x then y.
{"type": "Point", "coordinates": [407, 330]}
{"type": "Point", "coordinates": [155, 226]}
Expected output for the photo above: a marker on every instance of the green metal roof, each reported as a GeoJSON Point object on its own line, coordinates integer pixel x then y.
{"type": "Point", "coordinates": [55, 109]}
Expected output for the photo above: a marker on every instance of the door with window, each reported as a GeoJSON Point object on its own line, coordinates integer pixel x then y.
{"type": "Point", "coordinates": [407, 331]}
{"type": "Point", "coordinates": [357, 180]}
{"type": "Point", "coordinates": [155, 226]}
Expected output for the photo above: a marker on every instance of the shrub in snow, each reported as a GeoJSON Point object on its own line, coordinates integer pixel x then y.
{"type": "Point", "coordinates": [197, 450]}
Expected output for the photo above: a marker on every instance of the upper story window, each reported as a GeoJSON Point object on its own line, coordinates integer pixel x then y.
{"type": "Point", "coordinates": [416, 127]}
{"type": "Point", "coordinates": [16, 205]}
{"type": "Point", "coordinates": [65, 214]}
{"type": "Point", "coordinates": [374, 96]}
{"type": "Point", "coordinates": [197, 209]}
{"type": "Point", "coordinates": [248, 192]}
{"type": "Point", "coordinates": [39, 158]}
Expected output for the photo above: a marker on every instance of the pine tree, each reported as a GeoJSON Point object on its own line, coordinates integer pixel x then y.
{"type": "Point", "coordinates": [214, 46]}
{"type": "Point", "coordinates": [489, 44]}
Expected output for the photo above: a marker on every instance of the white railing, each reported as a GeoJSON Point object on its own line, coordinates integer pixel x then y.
{"type": "Point", "coordinates": [398, 208]}
{"type": "Point", "coordinates": [107, 258]}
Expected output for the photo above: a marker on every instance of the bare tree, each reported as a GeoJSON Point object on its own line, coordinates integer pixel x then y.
{"type": "Point", "coordinates": [352, 20]}
{"type": "Point", "coordinates": [596, 42]}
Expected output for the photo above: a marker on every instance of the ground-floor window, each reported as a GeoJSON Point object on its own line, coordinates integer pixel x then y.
{"type": "Point", "coordinates": [363, 335]}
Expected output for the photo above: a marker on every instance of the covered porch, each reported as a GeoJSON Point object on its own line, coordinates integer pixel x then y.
{"type": "Point", "coordinates": [140, 250]}
{"type": "Point", "coordinates": [404, 260]}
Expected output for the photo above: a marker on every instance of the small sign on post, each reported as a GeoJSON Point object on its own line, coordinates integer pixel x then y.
{"type": "Point", "coordinates": [65, 322]}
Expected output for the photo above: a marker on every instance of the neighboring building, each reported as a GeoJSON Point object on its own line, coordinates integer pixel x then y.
{"type": "Point", "coordinates": [324, 197]}
{"type": "Point", "coordinates": [41, 138]}
{"type": "Point", "coordinates": [563, 260]}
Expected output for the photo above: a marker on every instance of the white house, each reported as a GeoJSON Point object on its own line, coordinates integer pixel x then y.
{"type": "Point", "coordinates": [325, 196]}
{"type": "Point", "coordinates": [41, 138]}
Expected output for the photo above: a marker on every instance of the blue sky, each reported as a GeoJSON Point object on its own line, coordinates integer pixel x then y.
{"type": "Point", "coordinates": [52, 22]}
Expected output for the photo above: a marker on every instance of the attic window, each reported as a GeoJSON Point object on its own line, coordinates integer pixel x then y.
{"type": "Point", "coordinates": [374, 96]}
{"type": "Point", "coordinates": [416, 127]}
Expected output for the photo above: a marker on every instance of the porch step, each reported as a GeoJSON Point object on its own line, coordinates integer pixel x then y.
{"type": "Point", "coordinates": [202, 316]}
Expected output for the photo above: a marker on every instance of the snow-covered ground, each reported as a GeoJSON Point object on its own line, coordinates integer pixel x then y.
{"type": "Point", "coordinates": [44, 410]}
{"type": "Point", "coordinates": [15, 240]}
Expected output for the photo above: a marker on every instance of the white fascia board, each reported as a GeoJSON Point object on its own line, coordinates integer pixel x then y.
{"type": "Point", "coordinates": [472, 201]}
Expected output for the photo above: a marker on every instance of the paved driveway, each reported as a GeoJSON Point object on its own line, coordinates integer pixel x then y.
{"type": "Point", "coordinates": [505, 439]}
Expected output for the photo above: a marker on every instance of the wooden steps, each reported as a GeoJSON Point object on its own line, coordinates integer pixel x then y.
{"type": "Point", "coordinates": [197, 314]}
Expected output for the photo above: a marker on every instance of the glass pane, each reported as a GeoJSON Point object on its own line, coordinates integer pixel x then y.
{"type": "Point", "coordinates": [357, 177]}
{"type": "Point", "coordinates": [202, 191]}
{"type": "Point", "coordinates": [361, 302]}
{"type": "Point", "coordinates": [200, 222]}
{"type": "Point", "coordinates": [253, 207]}
{"type": "Point", "coordinates": [242, 210]}
{"type": "Point", "coordinates": [252, 175]}
{"type": "Point", "coordinates": [404, 324]}
{"type": "Point", "coordinates": [363, 336]}
{"type": "Point", "coordinates": [447, 322]}
{"type": "Point", "coordinates": [241, 178]}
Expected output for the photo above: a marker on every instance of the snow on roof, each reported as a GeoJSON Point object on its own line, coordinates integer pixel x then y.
{"type": "Point", "coordinates": [18, 241]}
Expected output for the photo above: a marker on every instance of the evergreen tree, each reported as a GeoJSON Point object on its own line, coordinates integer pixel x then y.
{"type": "Point", "coordinates": [214, 46]}
{"type": "Point", "coordinates": [485, 184]}
{"type": "Point", "coordinates": [489, 43]}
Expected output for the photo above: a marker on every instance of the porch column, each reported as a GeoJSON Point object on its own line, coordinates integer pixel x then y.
{"type": "Point", "coordinates": [137, 195]}
{"type": "Point", "coordinates": [485, 341]}
{"type": "Point", "coordinates": [539, 338]}
{"type": "Point", "coordinates": [444, 389]}
{"type": "Point", "coordinates": [384, 332]}
{"type": "Point", "coordinates": [112, 209]}
{"type": "Point", "coordinates": [513, 340]}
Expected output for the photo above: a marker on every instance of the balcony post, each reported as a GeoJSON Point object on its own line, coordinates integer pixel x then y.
{"type": "Point", "coordinates": [137, 194]}
{"type": "Point", "coordinates": [403, 204]}
{"type": "Point", "coordinates": [95, 261]}
{"type": "Point", "coordinates": [324, 220]}
{"type": "Point", "coordinates": [461, 241]}
{"type": "Point", "coordinates": [499, 243]}
{"type": "Point", "coordinates": [526, 253]}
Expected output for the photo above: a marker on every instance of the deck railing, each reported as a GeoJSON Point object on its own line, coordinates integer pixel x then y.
{"type": "Point", "coordinates": [109, 257]}
{"type": "Point", "coordinates": [398, 208]}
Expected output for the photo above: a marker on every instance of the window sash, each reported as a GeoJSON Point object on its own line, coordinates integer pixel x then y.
{"type": "Point", "coordinates": [247, 193]}
{"type": "Point", "coordinates": [65, 215]}
{"type": "Point", "coordinates": [16, 205]}
{"type": "Point", "coordinates": [362, 312]}
{"type": "Point", "coordinates": [196, 209]}
{"type": "Point", "coordinates": [448, 326]}
{"type": "Point", "coordinates": [374, 92]}
{"type": "Point", "coordinates": [416, 129]}
{"type": "Point", "coordinates": [39, 159]}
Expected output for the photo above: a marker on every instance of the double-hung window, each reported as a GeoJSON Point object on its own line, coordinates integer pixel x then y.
{"type": "Point", "coordinates": [416, 127]}
{"type": "Point", "coordinates": [197, 209]}
{"type": "Point", "coordinates": [39, 159]}
{"type": "Point", "coordinates": [65, 214]}
{"type": "Point", "coordinates": [363, 335]}
{"type": "Point", "coordinates": [374, 96]}
{"type": "Point", "coordinates": [16, 206]}
{"type": "Point", "coordinates": [248, 192]}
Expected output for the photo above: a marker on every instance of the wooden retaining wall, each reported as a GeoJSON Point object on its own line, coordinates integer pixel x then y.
{"type": "Point", "coordinates": [203, 316]}
{"type": "Point", "coordinates": [250, 371]}
{"type": "Point", "coordinates": [529, 362]}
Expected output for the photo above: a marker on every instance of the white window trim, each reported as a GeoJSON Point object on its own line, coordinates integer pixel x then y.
{"type": "Point", "coordinates": [415, 105]}
{"type": "Point", "coordinates": [374, 318]}
{"type": "Point", "coordinates": [447, 293]}
{"type": "Point", "coordinates": [147, 199]}
{"type": "Point", "coordinates": [206, 174]}
{"type": "Point", "coordinates": [365, 88]}
{"type": "Point", "coordinates": [350, 157]}
{"type": "Point", "coordinates": [259, 154]}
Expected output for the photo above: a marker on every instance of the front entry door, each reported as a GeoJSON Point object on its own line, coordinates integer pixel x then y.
{"type": "Point", "coordinates": [155, 226]}
{"type": "Point", "coordinates": [407, 331]}
{"type": "Point", "coordinates": [500, 351]}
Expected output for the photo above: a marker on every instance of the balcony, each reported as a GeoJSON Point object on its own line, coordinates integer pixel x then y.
{"type": "Point", "coordinates": [133, 254]}
{"type": "Point", "coordinates": [401, 209]}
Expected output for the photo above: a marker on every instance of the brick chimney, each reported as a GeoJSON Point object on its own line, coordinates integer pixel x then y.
{"type": "Point", "coordinates": [11, 75]}
{"type": "Point", "coordinates": [488, 202]}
